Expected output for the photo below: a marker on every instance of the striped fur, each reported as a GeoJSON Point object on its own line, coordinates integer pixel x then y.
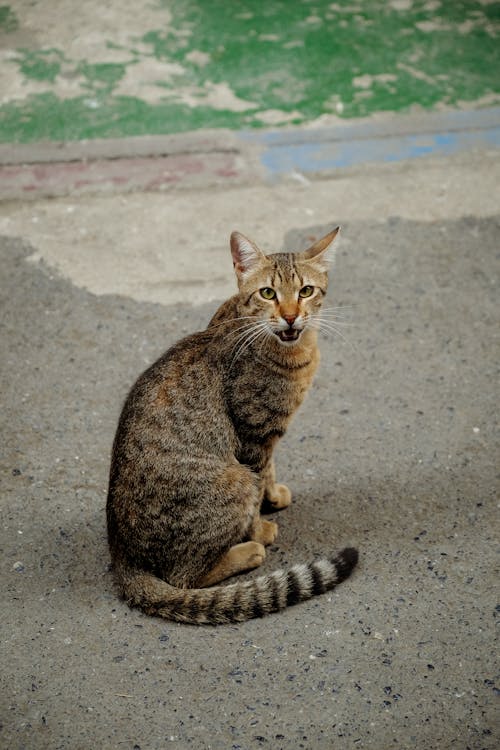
{"type": "Point", "coordinates": [240, 601]}
{"type": "Point", "coordinates": [192, 460]}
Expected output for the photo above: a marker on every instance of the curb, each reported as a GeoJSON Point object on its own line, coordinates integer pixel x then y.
{"type": "Point", "coordinates": [211, 158]}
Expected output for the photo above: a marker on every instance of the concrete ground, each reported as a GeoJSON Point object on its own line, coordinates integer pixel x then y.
{"type": "Point", "coordinates": [394, 451]}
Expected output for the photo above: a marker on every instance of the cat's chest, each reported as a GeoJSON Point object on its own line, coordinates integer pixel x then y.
{"type": "Point", "coordinates": [262, 400]}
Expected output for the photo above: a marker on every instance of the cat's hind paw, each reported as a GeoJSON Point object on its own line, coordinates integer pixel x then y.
{"type": "Point", "coordinates": [264, 532]}
{"type": "Point", "coordinates": [269, 532]}
{"type": "Point", "coordinates": [279, 496]}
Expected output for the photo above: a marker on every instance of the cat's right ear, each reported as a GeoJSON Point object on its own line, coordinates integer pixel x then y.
{"type": "Point", "coordinates": [246, 255]}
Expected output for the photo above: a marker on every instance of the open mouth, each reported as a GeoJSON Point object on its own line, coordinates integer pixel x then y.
{"type": "Point", "coordinates": [291, 334]}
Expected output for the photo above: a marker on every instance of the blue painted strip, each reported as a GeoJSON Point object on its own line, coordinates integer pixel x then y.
{"type": "Point", "coordinates": [399, 125]}
{"type": "Point", "coordinates": [391, 139]}
{"type": "Point", "coordinates": [316, 157]}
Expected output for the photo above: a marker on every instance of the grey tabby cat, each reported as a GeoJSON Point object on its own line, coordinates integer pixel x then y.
{"type": "Point", "coordinates": [192, 457]}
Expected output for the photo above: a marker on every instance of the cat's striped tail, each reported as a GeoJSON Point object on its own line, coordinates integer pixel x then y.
{"type": "Point", "coordinates": [238, 601]}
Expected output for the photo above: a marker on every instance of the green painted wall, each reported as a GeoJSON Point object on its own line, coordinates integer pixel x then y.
{"type": "Point", "coordinates": [246, 64]}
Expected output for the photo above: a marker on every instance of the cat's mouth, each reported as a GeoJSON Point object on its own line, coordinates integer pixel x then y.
{"type": "Point", "coordinates": [290, 334]}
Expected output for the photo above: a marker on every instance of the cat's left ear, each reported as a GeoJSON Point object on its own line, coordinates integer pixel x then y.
{"type": "Point", "coordinates": [246, 255]}
{"type": "Point", "coordinates": [321, 252]}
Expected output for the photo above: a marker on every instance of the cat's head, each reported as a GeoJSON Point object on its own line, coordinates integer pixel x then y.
{"type": "Point", "coordinates": [284, 290]}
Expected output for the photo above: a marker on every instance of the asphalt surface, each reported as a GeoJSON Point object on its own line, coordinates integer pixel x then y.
{"type": "Point", "coordinates": [394, 451]}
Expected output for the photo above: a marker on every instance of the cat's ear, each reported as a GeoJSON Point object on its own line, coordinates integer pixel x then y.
{"type": "Point", "coordinates": [246, 255]}
{"type": "Point", "coordinates": [321, 251]}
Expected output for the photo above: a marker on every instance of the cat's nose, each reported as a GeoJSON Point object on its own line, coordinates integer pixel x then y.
{"type": "Point", "coordinates": [290, 319]}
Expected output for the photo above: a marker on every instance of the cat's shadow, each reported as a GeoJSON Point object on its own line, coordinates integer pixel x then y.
{"type": "Point", "coordinates": [365, 514]}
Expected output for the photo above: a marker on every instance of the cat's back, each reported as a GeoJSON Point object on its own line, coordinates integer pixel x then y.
{"type": "Point", "coordinates": [177, 403]}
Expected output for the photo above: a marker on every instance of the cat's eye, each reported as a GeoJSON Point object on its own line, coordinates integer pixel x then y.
{"type": "Point", "coordinates": [267, 292]}
{"type": "Point", "coordinates": [306, 291]}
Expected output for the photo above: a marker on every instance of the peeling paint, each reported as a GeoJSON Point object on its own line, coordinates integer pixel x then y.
{"type": "Point", "coordinates": [367, 81]}
{"type": "Point", "coordinates": [216, 95]}
{"type": "Point", "coordinates": [148, 79]}
{"type": "Point", "coordinates": [70, 71]}
{"type": "Point", "coordinates": [401, 4]}
{"type": "Point", "coordinates": [277, 116]}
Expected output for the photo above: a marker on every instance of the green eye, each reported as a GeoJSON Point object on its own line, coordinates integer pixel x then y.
{"type": "Point", "coordinates": [306, 291]}
{"type": "Point", "coordinates": [267, 293]}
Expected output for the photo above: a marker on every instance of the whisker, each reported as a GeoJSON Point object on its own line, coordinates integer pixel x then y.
{"type": "Point", "coordinates": [247, 329]}
{"type": "Point", "coordinates": [330, 318]}
{"type": "Point", "coordinates": [247, 339]}
{"type": "Point", "coordinates": [267, 335]}
{"type": "Point", "coordinates": [326, 326]}
{"type": "Point", "coordinates": [339, 308]}
{"type": "Point", "coordinates": [334, 320]}
{"type": "Point", "coordinates": [246, 344]}
{"type": "Point", "coordinates": [332, 311]}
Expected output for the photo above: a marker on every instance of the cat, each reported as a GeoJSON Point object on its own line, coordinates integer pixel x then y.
{"type": "Point", "coordinates": [192, 457]}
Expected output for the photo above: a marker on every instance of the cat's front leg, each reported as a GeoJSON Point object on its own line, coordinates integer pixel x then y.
{"type": "Point", "coordinates": [277, 495]}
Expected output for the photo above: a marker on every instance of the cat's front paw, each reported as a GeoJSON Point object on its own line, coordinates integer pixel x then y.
{"type": "Point", "coordinates": [279, 496]}
{"type": "Point", "coordinates": [255, 554]}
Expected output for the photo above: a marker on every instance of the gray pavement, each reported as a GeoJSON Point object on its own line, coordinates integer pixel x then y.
{"type": "Point", "coordinates": [394, 451]}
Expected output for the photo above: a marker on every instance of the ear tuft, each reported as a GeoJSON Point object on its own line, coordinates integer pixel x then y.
{"type": "Point", "coordinates": [318, 251]}
{"type": "Point", "coordinates": [246, 255]}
